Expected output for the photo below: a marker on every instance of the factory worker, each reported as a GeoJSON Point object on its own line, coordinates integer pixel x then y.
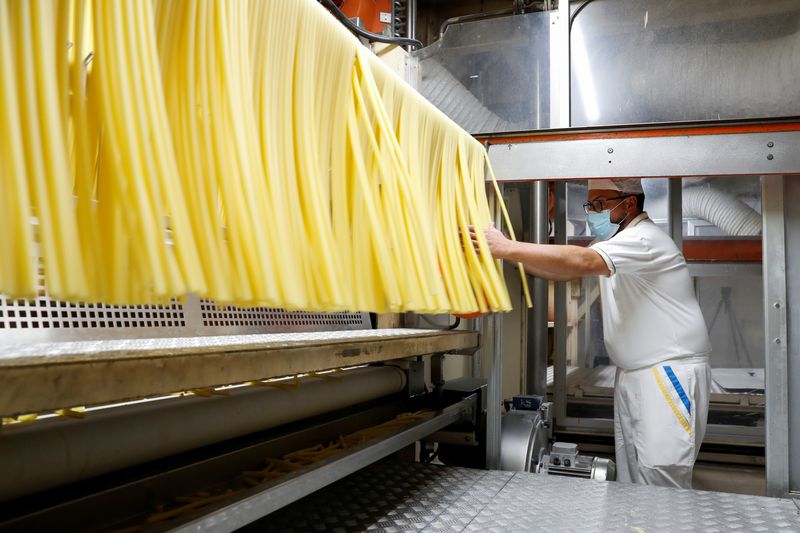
{"type": "Point", "coordinates": [654, 331]}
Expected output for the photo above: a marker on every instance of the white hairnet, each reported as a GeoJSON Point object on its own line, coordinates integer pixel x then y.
{"type": "Point", "coordinates": [622, 185]}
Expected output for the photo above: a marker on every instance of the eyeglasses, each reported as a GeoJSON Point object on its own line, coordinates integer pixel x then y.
{"type": "Point", "coordinates": [598, 204]}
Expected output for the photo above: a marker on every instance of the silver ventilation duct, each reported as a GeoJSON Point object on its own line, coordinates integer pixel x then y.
{"type": "Point", "coordinates": [632, 62]}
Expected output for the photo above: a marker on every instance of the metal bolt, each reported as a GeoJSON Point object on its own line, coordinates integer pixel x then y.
{"type": "Point", "coordinates": [777, 340]}
{"type": "Point", "coordinates": [610, 150]}
{"type": "Point", "coordinates": [770, 156]}
{"type": "Point", "coordinates": [776, 305]}
{"type": "Point", "coordinates": [770, 144]}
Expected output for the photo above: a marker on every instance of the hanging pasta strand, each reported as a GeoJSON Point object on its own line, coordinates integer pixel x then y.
{"type": "Point", "coordinates": [247, 151]}
{"type": "Point", "coordinates": [482, 273]}
{"type": "Point", "coordinates": [33, 27]}
{"type": "Point", "coordinates": [414, 219]}
{"type": "Point", "coordinates": [168, 181]}
{"type": "Point", "coordinates": [133, 168]}
{"type": "Point", "coordinates": [312, 156]}
{"type": "Point", "coordinates": [383, 288]}
{"type": "Point", "coordinates": [17, 254]}
{"type": "Point", "coordinates": [179, 37]}
{"type": "Point", "coordinates": [230, 22]}
{"type": "Point", "coordinates": [274, 107]}
{"type": "Point", "coordinates": [507, 220]}
{"type": "Point", "coordinates": [84, 150]}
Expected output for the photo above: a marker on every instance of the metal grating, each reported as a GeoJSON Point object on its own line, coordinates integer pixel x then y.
{"type": "Point", "coordinates": [217, 316]}
{"type": "Point", "coordinates": [44, 312]}
{"type": "Point", "coordinates": [44, 319]}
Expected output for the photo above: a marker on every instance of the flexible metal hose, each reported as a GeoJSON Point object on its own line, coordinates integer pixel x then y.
{"type": "Point", "coordinates": [721, 209]}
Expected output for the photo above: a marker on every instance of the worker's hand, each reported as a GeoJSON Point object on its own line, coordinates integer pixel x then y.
{"type": "Point", "coordinates": [498, 243]}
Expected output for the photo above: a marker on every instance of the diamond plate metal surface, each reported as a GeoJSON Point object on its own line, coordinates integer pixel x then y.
{"type": "Point", "coordinates": [395, 497]}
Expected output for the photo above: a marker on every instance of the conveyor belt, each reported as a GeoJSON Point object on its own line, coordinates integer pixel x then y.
{"type": "Point", "coordinates": [416, 497]}
{"type": "Point", "coordinates": [41, 376]}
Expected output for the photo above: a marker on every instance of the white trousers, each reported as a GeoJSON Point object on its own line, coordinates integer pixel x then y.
{"type": "Point", "coordinates": [660, 417]}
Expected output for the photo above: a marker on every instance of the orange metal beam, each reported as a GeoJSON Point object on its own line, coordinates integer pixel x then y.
{"type": "Point", "coordinates": [709, 249]}
{"type": "Point", "coordinates": [736, 250]}
{"type": "Point", "coordinates": [655, 132]}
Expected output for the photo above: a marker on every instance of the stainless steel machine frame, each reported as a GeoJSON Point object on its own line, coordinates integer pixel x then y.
{"type": "Point", "coordinates": [56, 355]}
{"type": "Point", "coordinates": [696, 150]}
{"type": "Point", "coordinates": [770, 149]}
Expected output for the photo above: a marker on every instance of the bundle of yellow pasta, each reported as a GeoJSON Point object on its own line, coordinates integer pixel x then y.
{"type": "Point", "coordinates": [453, 164]}
{"type": "Point", "coordinates": [17, 272]}
{"type": "Point", "coordinates": [139, 168]}
{"type": "Point", "coordinates": [35, 151]}
{"type": "Point", "coordinates": [249, 151]}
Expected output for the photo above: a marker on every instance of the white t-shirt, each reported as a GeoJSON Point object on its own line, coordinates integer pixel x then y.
{"type": "Point", "coordinates": [650, 312]}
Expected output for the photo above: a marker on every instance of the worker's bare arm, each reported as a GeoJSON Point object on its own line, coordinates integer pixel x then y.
{"type": "Point", "coordinates": [555, 262]}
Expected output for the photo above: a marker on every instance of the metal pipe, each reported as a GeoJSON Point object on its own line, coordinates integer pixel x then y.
{"type": "Point", "coordinates": [562, 57]}
{"type": "Point", "coordinates": [719, 207]}
{"type": "Point", "coordinates": [560, 303]}
{"type": "Point", "coordinates": [473, 17]}
{"type": "Point", "coordinates": [675, 210]}
{"type": "Point", "coordinates": [55, 452]}
{"type": "Point", "coordinates": [536, 372]}
{"type": "Point", "coordinates": [411, 20]}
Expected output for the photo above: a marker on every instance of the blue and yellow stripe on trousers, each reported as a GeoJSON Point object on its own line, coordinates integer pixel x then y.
{"type": "Point", "coordinates": [667, 391]}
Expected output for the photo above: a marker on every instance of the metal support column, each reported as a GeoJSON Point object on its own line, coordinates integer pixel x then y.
{"type": "Point", "coordinates": [560, 67]}
{"type": "Point", "coordinates": [494, 393]}
{"type": "Point", "coordinates": [791, 213]}
{"type": "Point", "coordinates": [475, 368]}
{"type": "Point", "coordinates": [536, 370]}
{"type": "Point", "coordinates": [560, 303]}
{"type": "Point", "coordinates": [775, 337]}
{"type": "Point", "coordinates": [492, 349]}
{"type": "Point", "coordinates": [675, 211]}
{"type": "Point", "coordinates": [791, 199]}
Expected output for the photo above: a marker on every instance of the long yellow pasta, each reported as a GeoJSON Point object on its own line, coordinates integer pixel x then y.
{"type": "Point", "coordinates": [507, 219]}
{"type": "Point", "coordinates": [84, 149]}
{"type": "Point", "coordinates": [142, 163]}
{"type": "Point", "coordinates": [273, 85]}
{"type": "Point", "coordinates": [310, 121]}
{"type": "Point", "coordinates": [33, 27]}
{"type": "Point", "coordinates": [17, 272]}
{"type": "Point", "coordinates": [248, 151]}
{"type": "Point", "coordinates": [181, 42]}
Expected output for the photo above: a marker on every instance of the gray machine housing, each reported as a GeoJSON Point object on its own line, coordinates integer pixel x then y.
{"type": "Point", "coordinates": [525, 445]}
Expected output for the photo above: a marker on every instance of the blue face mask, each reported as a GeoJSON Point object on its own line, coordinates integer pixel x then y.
{"type": "Point", "coordinates": [600, 224]}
